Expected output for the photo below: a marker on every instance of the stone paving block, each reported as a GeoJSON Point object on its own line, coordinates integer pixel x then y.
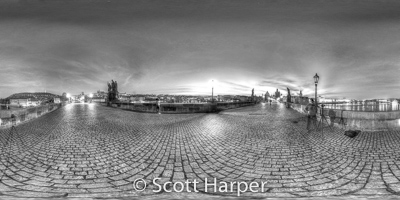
{"type": "Point", "coordinates": [38, 183]}
{"type": "Point", "coordinates": [11, 182]}
{"type": "Point", "coordinates": [35, 188]}
{"type": "Point", "coordinates": [372, 191]}
{"type": "Point", "coordinates": [395, 187]}
{"type": "Point", "coordinates": [6, 188]}
{"type": "Point", "coordinates": [94, 185]}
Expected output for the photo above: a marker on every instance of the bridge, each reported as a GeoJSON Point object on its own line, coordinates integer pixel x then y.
{"type": "Point", "coordinates": [89, 150]}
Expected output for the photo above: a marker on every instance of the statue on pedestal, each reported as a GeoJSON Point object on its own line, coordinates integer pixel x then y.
{"type": "Point", "coordinates": [252, 94]}
{"type": "Point", "coordinates": [288, 98]}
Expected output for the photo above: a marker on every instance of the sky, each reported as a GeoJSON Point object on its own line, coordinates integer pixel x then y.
{"type": "Point", "coordinates": [179, 46]}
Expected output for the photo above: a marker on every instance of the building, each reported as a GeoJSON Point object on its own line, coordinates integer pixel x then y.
{"type": "Point", "coordinates": [57, 100]}
{"type": "Point", "coordinates": [35, 102]}
{"type": "Point", "coordinates": [242, 99]}
{"type": "Point", "coordinates": [20, 102]}
{"type": "Point", "coordinates": [125, 98]}
{"type": "Point", "coordinates": [24, 102]}
{"type": "Point", "coordinates": [101, 93]}
{"type": "Point", "coordinates": [277, 94]}
{"type": "Point", "coordinates": [226, 98]}
{"type": "Point", "coordinates": [98, 99]}
{"type": "Point", "coordinates": [137, 98]}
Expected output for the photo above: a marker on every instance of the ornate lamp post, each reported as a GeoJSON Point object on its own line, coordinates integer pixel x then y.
{"type": "Point", "coordinates": [212, 91]}
{"type": "Point", "coordinates": [316, 78]}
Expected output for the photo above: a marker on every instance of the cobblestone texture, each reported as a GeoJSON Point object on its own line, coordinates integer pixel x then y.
{"type": "Point", "coordinates": [94, 151]}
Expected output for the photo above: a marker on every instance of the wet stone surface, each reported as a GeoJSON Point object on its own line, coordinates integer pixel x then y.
{"type": "Point", "coordinates": [87, 150]}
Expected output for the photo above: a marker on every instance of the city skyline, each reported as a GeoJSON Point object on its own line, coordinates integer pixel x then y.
{"type": "Point", "coordinates": [178, 47]}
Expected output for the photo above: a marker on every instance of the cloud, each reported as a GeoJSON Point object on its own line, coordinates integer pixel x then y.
{"type": "Point", "coordinates": [175, 46]}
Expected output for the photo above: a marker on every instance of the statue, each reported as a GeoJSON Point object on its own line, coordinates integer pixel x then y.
{"type": "Point", "coordinates": [115, 89]}
{"type": "Point", "coordinates": [252, 94]}
{"type": "Point", "coordinates": [288, 98]}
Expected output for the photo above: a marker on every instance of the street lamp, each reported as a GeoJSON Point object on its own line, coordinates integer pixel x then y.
{"type": "Point", "coordinates": [69, 97]}
{"type": "Point", "coordinates": [212, 91]}
{"type": "Point", "coordinates": [316, 78]}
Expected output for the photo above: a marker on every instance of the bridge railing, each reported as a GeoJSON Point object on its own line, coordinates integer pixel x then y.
{"type": "Point", "coordinates": [181, 107]}
{"type": "Point", "coordinates": [25, 114]}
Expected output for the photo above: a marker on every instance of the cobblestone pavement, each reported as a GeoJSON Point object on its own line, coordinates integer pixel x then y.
{"type": "Point", "coordinates": [87, 150]}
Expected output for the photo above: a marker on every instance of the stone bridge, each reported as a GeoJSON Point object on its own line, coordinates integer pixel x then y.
{"type": "Point", "coordinates": [88, 150]}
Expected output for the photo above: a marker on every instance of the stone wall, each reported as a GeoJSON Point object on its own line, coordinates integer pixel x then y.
{"type": "Point", "coordinates": [25, 114]}
{"type": "Point", "coordinates": [371, 121]}
{"type": "Point", "coordinates": [181, 107]}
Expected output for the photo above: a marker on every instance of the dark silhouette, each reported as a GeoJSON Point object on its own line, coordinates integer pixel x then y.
{"type": "Point", "coordinates": [112, 91]}
{"type": "Point", "coordinates": [332, 116]}
{"type": "Point", "coordinates": [312, 114]}
{"type": "Point", "coordinates": [252, 94]}
{"type": "Point", "coordinates": [158, 106]}
{"type": "Point", "coordinates": [288, 98]}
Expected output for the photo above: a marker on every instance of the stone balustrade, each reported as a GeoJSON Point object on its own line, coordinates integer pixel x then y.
{"type": "Point", "coordinates": [25, 114]}
{"type": "Point", "coordinates": [366, 121]}
{"type": "Point", "coordinates": [181, 107]}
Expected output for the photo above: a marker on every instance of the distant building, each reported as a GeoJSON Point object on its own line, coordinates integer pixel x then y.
{"type": "Point", "coordinates": [20, 102]}
{"type": "Point", "coordinates": [57, 100]}
{"type": "Point", "coordinates": [137, 98]}
{"type": "Point", "coordinates": [124, 98]}
{"type": "Point", "coordinates": [98, 99]}
{"type": "Point", "coordinates": [35, 102]}
{"type": "Point", "coordinates": [24, 102]}
{"type": "Point", "coordinates": [150, 98]}
{"type": "Point", "coordinates": [4, 101]}
{"type": "Point", "coordinates": [101, 94]}
{"type": "Point", "coordinates": [192, 100]}
{"type": "Point", "coordinates": [277, 94]}
{"type": "Point", "coordinates": [226, 98]}
{"type": "Point", "coordinates": [243, 98]}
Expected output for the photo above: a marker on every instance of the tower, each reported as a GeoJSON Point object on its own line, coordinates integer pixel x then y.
{"type": "Point", "coordinates": [277, 94]}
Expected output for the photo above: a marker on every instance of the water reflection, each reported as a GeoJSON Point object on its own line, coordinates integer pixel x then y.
{"type": "Point", "coordinates": [382, 107]}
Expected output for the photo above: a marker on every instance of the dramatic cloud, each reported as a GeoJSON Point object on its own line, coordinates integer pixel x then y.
{"type": "Point", "coordinates": [177, 47]}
